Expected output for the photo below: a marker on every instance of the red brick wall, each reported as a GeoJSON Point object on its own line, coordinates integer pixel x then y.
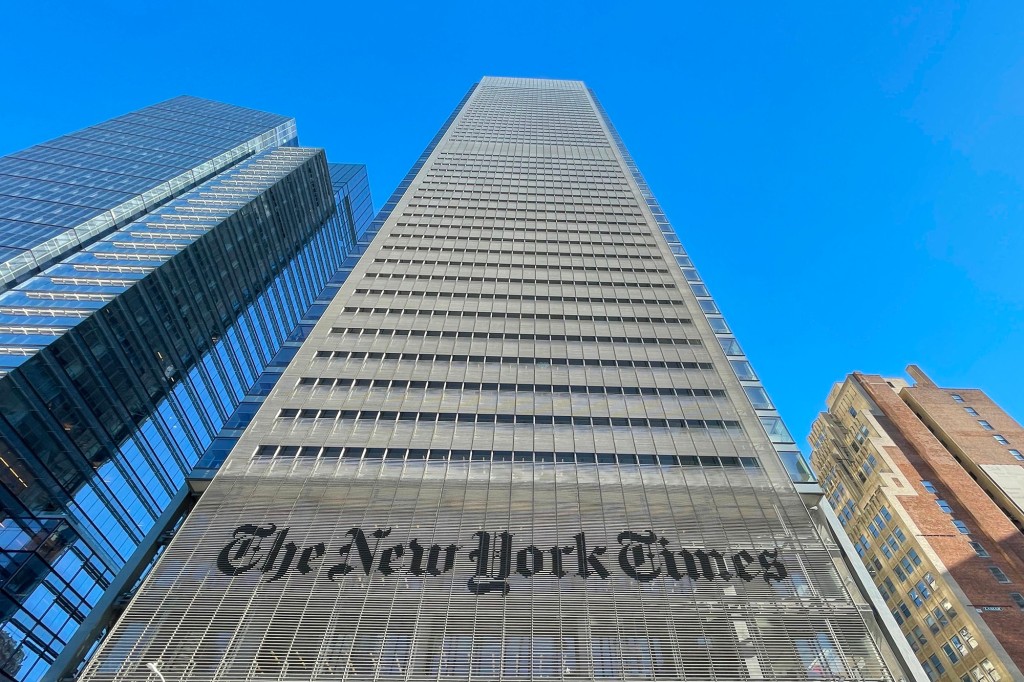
{"type": "Point", "coordinates": [923, 457]}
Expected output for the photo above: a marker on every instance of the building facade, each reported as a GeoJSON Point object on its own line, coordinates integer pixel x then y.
{"type": "Point", "coordinates": [927, 483]}
{"type": "Point", "coordinates": [521, 443]}
{"type": "Point", "coordinates": [156, 269]}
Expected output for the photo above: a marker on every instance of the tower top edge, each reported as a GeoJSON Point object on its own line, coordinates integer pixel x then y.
{"type": "Point", "coordinates": [544, 83]}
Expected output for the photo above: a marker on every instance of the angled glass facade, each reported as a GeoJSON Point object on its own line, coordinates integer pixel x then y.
{"type": "Point", "coordinates": [514, 447]}
{"type": "Point", "coordinates": [62, 194]}
{"type": "Point", "coordinates": [126, 361]}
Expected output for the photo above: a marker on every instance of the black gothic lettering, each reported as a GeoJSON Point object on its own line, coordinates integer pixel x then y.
{"type": "Point", "coordinates": [344, 567]}
{"type": "Point", "coordinates": [556, 560]}
{"type": "Point", "coordinates": [275, 551]}
{"type": "Point", "coordinates": [449, 559]}
{"type": "Point", "coordinates": [416, 565]}
{"type": "Point", "coordinates": [366, 556]}
{"type": "Point", "coordinates": [636, 557]}
{"type": "Point", "coordinates": [741, 561]}
{"type": "Point", "coordinates": [712, 564]}
{"type": "Point", "coordinates": [643, 556]}
{"type": "Point", "coordinates": [589, 563]}
{"type": "Point", "coordinates": [689, 564]}
{"type": "Point", "coordinates": [246, 540]}
{"type": "Point", "coordinates": [779, 572]}
{"type": "Point", "coordinates": [385, 566]}
{"type": "Point", "coordinates": [308, 554]}
{"type": "Point", "coordinates": [529, 561]}
{"type": "Point", "coordinates": [482, 556]}
{"type": "Point", "coordinates": [668, 560]}
{"type": "Point", "coordinates": [289, 553]}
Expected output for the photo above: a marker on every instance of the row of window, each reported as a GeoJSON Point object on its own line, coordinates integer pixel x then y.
{"type": "Point", "coordinates": [893, 541]}
{"type": "Point", "coordinates": [988, 427]}
{"type": "Point", "coordinates": [617, 254]}
{"type": "Point", "coordinates": [501, 314]}
{"type": "Point", "coordinates": [936, 619]}
{"type": "Point", "coordinates": [513, 336]}
{"type": "Point", "coordinates": [512, 360]}
{"type": "Point", "coordinates": [525, 266]}
{"type": "Point", "coordinates": [445, 229]}
{"type": "Point", "coordinates": [483, 213]}
{"type": "Point", "coordinates": [978, 548]}
{"type": "Point", "coordinates": [519, 280]}
{"type": "Point", "coordinates": [404, 240]}
{"type": "Point", "coordinates": [396, 384]}
{"type": "Point", "coordinates": [330, 452]}
{"type": "Point", "coordinates": [516, 297]}
{"type": "Point", "coordinates": [934, 668]}
{"type": "Point", "coordinates": [527, 194]}
{"type": "Point", "coordinates": [505, 418]}
{"type": "Point", "coordinates": [523, 173]}
{"type": "Point", "coordinates": [955, 648]}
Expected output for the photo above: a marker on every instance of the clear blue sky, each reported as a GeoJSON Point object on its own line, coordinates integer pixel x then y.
{"type": "Point", "coordinates": [848, 180]}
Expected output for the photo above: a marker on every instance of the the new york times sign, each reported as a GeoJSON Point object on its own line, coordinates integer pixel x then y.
{"type": "Point", "coordinates": [643, 556]}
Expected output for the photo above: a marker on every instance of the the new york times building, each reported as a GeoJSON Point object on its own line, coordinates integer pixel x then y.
{"type": "Point", "coordinates": [521, 443]}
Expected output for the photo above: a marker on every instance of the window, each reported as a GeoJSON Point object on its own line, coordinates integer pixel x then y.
{"type": "Point", "coordinates": [885, 513]}
{"type": "Point", "coordinates": [985, 425]}
{"type": "Point", "coordinates": [899, 534]}
{"type": "Point", "coordinates": [928, 486]}
{"type": "Point", "coordinates": [999, 575]}
{"type": "Point", "coordinates": [758, 397]}
{"type": "Point", "coordinates": [1001, 440]}
{"type": "Point", "coordinates": [919, 635]}
{"type": "Point", "coordinates": [743, 370]}
{"type": "Point", "coordinates": [969, 638]}
{"type": "Point", "coordinates": [962, 527]}
{"type": "Point", "coordinates": [912, 555]}
{"type": "Point", "coordinates": [971, 411]}
{"type": "Point", "coordinates": [1016, 455]}
{"type": "Point", "coordinates": [959, 645]}
{"type": "Point", "coordinates": [950, 653]}
{"type": "Point", "coordinates": [1018, 599]}
{"type": "Point", "coordinates": [979, 550]}
{"type": "Point", "coordinates": [944, 506]}
{"type": "Point", "coordinates": [852, 411]}
{"type": "Point", "coordinates": [957, 398]}
{"type": "Point", "coordinates": [888, 589]}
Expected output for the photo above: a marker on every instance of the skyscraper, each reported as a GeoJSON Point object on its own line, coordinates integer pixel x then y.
{"type": "Point", "coordinates": [927, 483]}
{"type": "Point", "coordinates": [522, 442]}
{"type": "Point", "coordinates": [155, 270]}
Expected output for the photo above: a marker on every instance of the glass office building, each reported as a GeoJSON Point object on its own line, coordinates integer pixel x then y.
{"type": "Point", "coordinates": [521, 443]}
{"type": "Point", "coordinates": [158, 270]}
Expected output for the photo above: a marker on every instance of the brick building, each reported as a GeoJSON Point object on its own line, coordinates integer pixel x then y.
{"type": "Point", "coordinates": [929, 484]}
